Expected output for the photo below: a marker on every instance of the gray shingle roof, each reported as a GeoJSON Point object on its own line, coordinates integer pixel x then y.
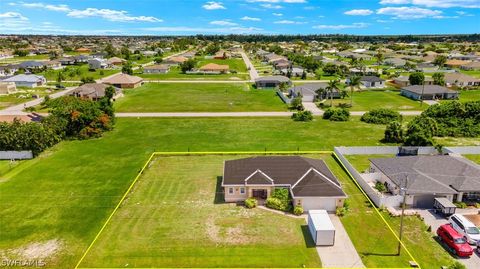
{"type": "Point", "coordinates": [429, 89]}
{"type": "Point", "coordinates": [431, 174]}
{"type": "Point", "coordinates": [273, 78]}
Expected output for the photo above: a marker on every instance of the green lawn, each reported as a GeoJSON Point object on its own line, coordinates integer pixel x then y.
{"type": "Point", "coordinates": [473, 73]}
{"type": "Point", "coordinates": [418, 240]}
{"type": "Point", "coordinates": [176, 74]}
{"type": "Point", "coordinates": [67, 193]}
{"type": "Point", "coordinates": [234, 63]}
{"type": "Point", "coordinates": [23, 95]}
{"type": "Point", "coordinates": [470, 95]}
{"type": "Point", "coordinates": [191, 97]}
{"type": "Point", "coordinates": [176, 217]}
{"type": "Point", "coordinates": [6, 166]}
{"type": "Point", "coordinates": [43, 57]}
{"type": "Point", "coordinates": [475, 158]}
{"type": "Point", "coordinates": [369, 99]}
{"type": "Point", "coordinates": [71, 73]}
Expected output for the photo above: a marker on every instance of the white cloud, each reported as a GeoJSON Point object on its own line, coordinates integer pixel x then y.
{"type": "Point", "coordinates": [359, 12]}
{"type": "Point", "coordinates": [247, 18]}
{"type": "Point", "coordinates": [342, 26]}
{"type": "Point", "coordinates": [405, 13]}
{"type": "Point", "coordinates": [277, 14]}
{"type": "Point", "coordinates": [62, 8]}
{"type": "Point", "coordinates": [200, 30]}
{"type": "Point", "coordinates": [111, 15]}
{"type": "Point", "coordinates": [213, 5]}
{"type": "Point", "coordinates": [278, 1]}
{"type": "Point", "coordinates": [270, 6]}
{"type": "Point", "coordinates": [13, 16]}
{"type": "Point", "coordinates": [435, 3]}
{"type": "Point", "coordinates": [288, 22]}
{"type": "Point", "coordinates": [223, 23]}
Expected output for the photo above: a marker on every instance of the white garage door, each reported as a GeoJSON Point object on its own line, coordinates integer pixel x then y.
{"type": "Point", "coordinates": [328, 204]}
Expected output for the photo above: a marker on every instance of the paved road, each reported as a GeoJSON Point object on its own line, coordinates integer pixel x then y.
{"type": "Point", "coordinates": [341, 255]}
{"type": "Point", "coordinates": [17, 109]}
{"type": "Point", "coordinates": [253, 72]}
{"type": "Point", "coordinates": [434, 220]}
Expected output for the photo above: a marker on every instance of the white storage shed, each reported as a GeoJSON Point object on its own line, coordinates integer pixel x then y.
{"type": "Point", "coordinates": [321, 228]}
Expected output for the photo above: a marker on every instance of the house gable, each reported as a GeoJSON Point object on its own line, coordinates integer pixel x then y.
{"type": "Point", "coordinates": [259, 178]}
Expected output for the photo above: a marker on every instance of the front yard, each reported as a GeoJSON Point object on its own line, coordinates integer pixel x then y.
{"type": "Point", "coordinates": [191, 97]}
{"type": "Point", "coordinates": [77, 72]}
{"type": "Point", "coordinates": [175, 217]}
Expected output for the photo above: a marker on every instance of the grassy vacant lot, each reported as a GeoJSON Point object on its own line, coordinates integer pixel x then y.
{"type": "Point", "coordinates": [369, 99]}
{"type": "Point", "coordinates": [470, 95]}
{"type": "Point", "coordinates": [418, 240]}
{"type": "Point", "coordinates": [23, 95]}
{"type": "Point", "coordinates": [191, 97]}
{"type": "Point", "coordinates": [234, 63]}
{"type": "Point", "coordinates": [77, 72]}
{"type": "Point", "coordinates": [176, 217]}
{"type": "Point", "coordinates": [43, 57]}
{"type": "Point", "coordinates": [473, 73]}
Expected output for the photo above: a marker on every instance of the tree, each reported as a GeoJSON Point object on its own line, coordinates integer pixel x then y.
{"type": "Point", "coordinates": [330, 69]}
{"type": "Point", "coordinates": [110, 50]}
{"type": "Point", "coordinates": [127, 68]}
{"type": "Point", "coordinates": [187, 65]}
{"type": "Point", "coordinates": [440, 60]}
{"type": "Point", "coordinates": [380, 57]}
{"type": "Point", "coordinates": [85, 80]}
{"type": "Point", "coordinates": [438, 79]}
{"type": "Point", "coordinates": [393, 132]}
{"type": "Point", "coordinates": [297, 103]}
{"type": "Point", "coordinates": [354, 83]}
{"type": "Point", "coordinates": [158, 60]}
{"type": "Point", "coordinates": [212, 49]}
{"type": "Point", "coordinates": [60, 77]}
{"type": "Point", "coordinates": [125, 51]}
{"type": "Point", "coordinates": [20, 53]}
{"type": "Point", "coordinates": [304, 75]}
{"type": "Point", "coordinates": [332, 86]}
{"type": "Point", "coordinates": [416, 78]}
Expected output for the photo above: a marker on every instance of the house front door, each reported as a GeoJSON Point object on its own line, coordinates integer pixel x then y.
{"type": "Point", "coordinates": [260, 194]}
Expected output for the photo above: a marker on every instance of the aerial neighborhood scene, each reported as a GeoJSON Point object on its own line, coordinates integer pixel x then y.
{"type": "Point", "coordinates": [240, 134]}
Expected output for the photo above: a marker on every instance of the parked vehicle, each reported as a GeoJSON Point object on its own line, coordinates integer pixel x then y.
{"type": "Point", "coordinates": [466, 228]}
{"type": "Point", "coordinates": [454, 240]}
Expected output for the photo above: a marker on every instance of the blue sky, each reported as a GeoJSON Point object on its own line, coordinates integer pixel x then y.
{"type": "Point", "coordinates": [186, 17]}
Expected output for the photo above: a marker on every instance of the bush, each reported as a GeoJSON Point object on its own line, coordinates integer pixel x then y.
{"type": "Point", "coordinates": [302, 116]}
{"type": "Point", "coordinates": [341, 211]}
{"type": "Point", "coordinates": [461, 204]}
{"type": "Point", "coordinates": [393, 132]}
{"type": "Point", "coordinates": [280, 199]}
{"type": "Point", "coordinates": [297, 103]}
{"type": "Point", "coordinates": [381, 116]}
{"type": "Point", "coordinates": [298, 210]}
{"type": "Point", "coordinates": [251, 202]}
{"type": "Point", "coordinates": [380, 187]}
{"type": "Point", "coordinates": [274, 203]}
{"type": "Point", "coordinates": [456, 265]}
{"type": "Point", "coordinates": [336, 114]}
{"type": "Point", "coordinates": [344, 105]}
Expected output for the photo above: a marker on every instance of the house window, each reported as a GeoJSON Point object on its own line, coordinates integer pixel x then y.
{"type": "Point", "coordinates": [242, 190]}
{"type": "Point", "coordinates": [230, 190]}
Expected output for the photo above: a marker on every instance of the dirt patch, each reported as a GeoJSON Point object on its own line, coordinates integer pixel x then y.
{"type": "Point", "coordinates": [231, 235]}
{"type": "Point", "coordinates": [474, 218]}
{"type": "Point", "coordinates": [36, 251]}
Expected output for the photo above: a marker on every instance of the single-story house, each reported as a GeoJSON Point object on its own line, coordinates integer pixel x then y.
{"type": "Point", "coordinates": [122, 81]}
{"type": "Point", "coordinates": [371, 82]}
{"type": "Point", "coordinates": [308, 91]}
{"type": "Point", "coordinates": [455, 63]}
{"type": "Point", "coordinates": [94, 91]}
{"type": "Point", "coordinates": [83, 50]}
{"type": "Point", "coordinates": [7, 88]}
{"type": "Point", "coordinates": [176, 60]}
{"type": "Point", "coordinates": [67, 61]}
{"type": "Point", "coordinates": [214, 68]}
{"type": "Point", "coordinates": [53, 64]}
{"type": "Point", "coordinates": [296, 71]}
{"type": "Point", "coordinates": [397, 62]}
{"type": "Point", "coordinates": [82, 58]}
{"type": "Point", "coordinates": [403, 81]}
{"type": "Point", "coordinates": [271, 81]}
{"type": "Point", "coordinates": [310, 182]}
{"type": "Point", "coordinates": [97, 63]}
{"type": "Point", "coordinates": [430, 92]}
{"type": "Point", "coordinates": [471, 66]}
{"type": "Point", "coordinates": [429, 176]}
{"type": "Point", "coordinates": [24, 80]}
{"type": "Point", "coordinates": [31, 65]}
{"type": "Point", "coordinates": [221, 54]}
{"type": "Point", "coordinates": [156, 69]}
{"type": "Point", "coordinates": [115, 61]}
{"type": "Point", "coordinates": [282, 64]}
{"type": "Point", "coordinates": [460, 80]}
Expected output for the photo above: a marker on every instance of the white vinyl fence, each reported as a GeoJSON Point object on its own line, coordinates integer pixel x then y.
{"type": "Point", "coordinates": [16, 155]}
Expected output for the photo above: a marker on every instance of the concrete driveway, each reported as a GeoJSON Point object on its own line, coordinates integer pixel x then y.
{"type": "Point", "coordinates": [343, 254]}
{"type": "Point", "coordinates": [436, 221]}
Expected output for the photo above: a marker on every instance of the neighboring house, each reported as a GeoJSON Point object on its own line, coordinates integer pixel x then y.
{"type": "Point", "coordinates": [371, 82]}
{"type": "Point", "coordinates": [397, 62]}
{"type": "Point", "coordinates": [122, 81]}
{"type": "Point", "coordinates": [156, 69]}
{"type": "Point", "coordinates": [94, 91]}
{"type": "Point", "coordinates": [83, 50]}
{"type": "Point", "coordinates": [310, 182]}
{"type": "Point", "coordinates": [55, 65]}
{"type": "Point", "coordinates": [97, 63]}
{"type": "Point", "coordinates": [427, 177]}
{"type": "Point", "coordinates": [115, 61]}
{"type": "Point", "coordinates": [176, 60]}
{"type": "Point", "coordinates": [271, 81]}
{"type": "Point", "coordinates": [212, 68]}
{"type": "Point", "coordinates": [30, 81]}
{"type": "Point", "coordinates": [296, 71]}
{"type": "Point", "coordinates": [7, 88]}
{"type": "Point", "coordinates": [461, 80]}
{"type": "Point", "coordinates": [82, 58]}
{"type": "Point", "coordinates": [455, 63]}
{"type": "Point", "coordinates": [367, 71]}
{"type": "Point", "coordinates": [67, 61]}
{"type": "Point", "coordinates": [308, 91]}
{"type": "Point", "coordinates": [403, 81]}
{"type": "Point", "coordinates": [221, 54]}
{"type": "Point", "coordinates": [31, 65]}
{"type": "Point", "coordinates": [6, 70]}
{"type": "Point", "coordinates": [471, 66]}
{"type": "Point", "coordinates": [148, 53]}
{"type": "Point", "coordinates": [428, 92]}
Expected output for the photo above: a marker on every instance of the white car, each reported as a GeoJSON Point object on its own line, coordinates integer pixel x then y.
{"type": "Point", "coordinates": [465, 228]}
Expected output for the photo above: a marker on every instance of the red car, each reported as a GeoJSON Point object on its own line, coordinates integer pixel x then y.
{"type": "Point", "coordinates": [454, 240]}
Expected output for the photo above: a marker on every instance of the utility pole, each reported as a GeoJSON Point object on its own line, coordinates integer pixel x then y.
{"type": "Point", "coordinates": [404, 191]}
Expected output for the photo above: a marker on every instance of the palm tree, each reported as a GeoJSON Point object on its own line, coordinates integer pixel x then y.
{"type": "Point", "coordinates": [354, 83]}
{"type": "Point", "coordinates": [332, 86]}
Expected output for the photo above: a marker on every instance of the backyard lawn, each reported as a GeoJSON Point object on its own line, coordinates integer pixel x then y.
{"type": "Point", "coordinates": [470, 95]}
{"type": "Point", "coordinates": [176, 217]}
{"type": "Point", "coordinates": [77, 72]}
{"type": "Point", "coordinates": [176, 74]}
{"type": "Point", "coordinates": [236, 64]}
{"type": "Point", "coordinates": [191, 97]}
{"type": "Point", "coordinates": [370, 99]}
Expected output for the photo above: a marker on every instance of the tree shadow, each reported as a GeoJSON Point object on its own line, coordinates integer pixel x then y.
{"type": "Point", "coordinates": [307, 237]}
{"type": "Point", "coordinates": [219, 194]}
